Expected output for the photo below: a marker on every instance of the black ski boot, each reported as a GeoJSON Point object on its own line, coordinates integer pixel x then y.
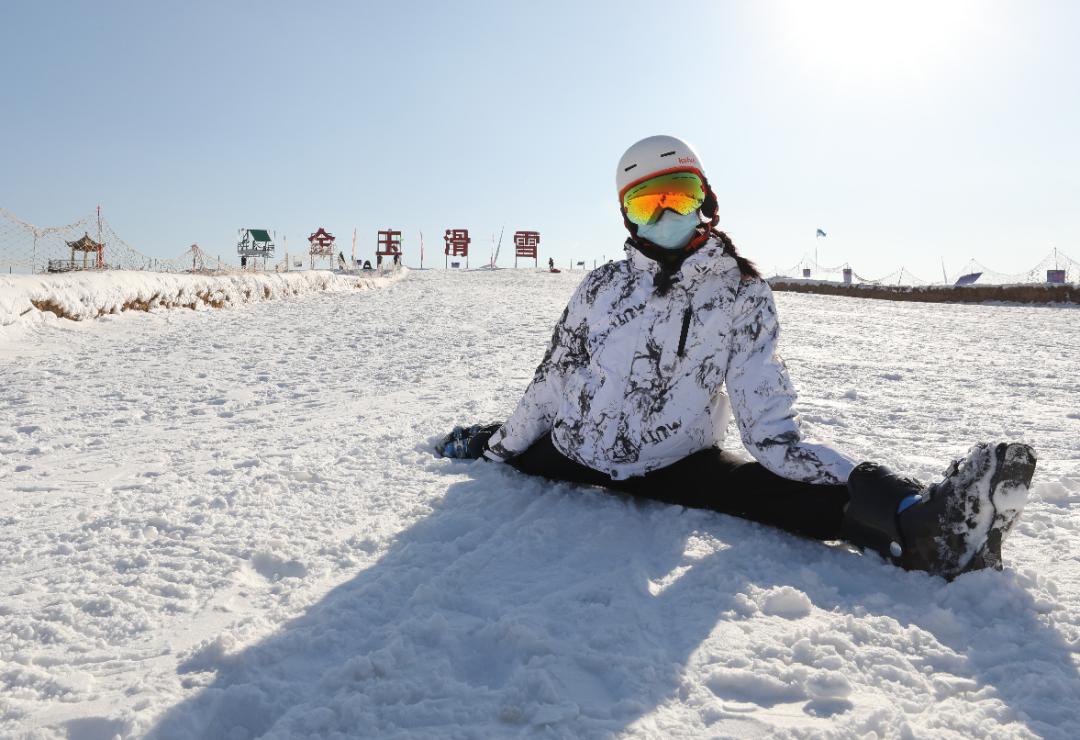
{"type": "Point", "coordinates": [466, 443]}
{"type": "Point", "coordinates": [1008, 495]}
{"type": "Point", "coordinates": [950, 527]}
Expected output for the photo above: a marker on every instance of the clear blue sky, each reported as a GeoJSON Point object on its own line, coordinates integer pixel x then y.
{"type": "Point", "coordinates": [910, 132]}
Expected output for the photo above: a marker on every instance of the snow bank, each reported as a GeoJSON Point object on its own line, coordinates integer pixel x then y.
{"type": "Point", "coordinates": [81, 296]}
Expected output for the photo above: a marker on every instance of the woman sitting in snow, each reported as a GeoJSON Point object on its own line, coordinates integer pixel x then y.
{"type": "Point", "coordinates": [631, 396]}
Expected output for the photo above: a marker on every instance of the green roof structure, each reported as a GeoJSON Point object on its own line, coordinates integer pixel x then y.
{"type": "Point", "coordinates": [255, 243]}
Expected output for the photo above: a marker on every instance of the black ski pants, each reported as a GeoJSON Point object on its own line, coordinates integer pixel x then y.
{"type": "Point", "coordinates": [710, 479]}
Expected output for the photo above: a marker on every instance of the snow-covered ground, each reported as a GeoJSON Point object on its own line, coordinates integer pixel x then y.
{"type": "Point", "coordinates": [229, 524]}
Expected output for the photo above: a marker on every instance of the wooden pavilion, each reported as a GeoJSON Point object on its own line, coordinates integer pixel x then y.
{"type": "Point", "coordinates": [87, 246]}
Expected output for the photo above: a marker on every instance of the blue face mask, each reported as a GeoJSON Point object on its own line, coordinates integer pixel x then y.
{"type": "Point", "coordinates": [671, 231]}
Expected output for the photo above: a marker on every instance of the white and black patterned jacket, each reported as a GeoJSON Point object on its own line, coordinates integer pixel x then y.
{"type": "Point", "coordinates": [634, 381]}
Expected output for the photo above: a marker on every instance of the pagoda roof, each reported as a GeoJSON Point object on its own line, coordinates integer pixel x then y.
{"type": "Point", "coordinates": [321, 234]}
{"type": "Point", "coordinates": [85, 244]}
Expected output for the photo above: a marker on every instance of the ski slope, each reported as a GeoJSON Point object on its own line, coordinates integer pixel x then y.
{"type": "Point", "coordinates": [229, 524]}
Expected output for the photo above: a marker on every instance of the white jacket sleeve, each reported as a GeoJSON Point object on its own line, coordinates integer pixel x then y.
{"type": "Point", "coordinates": [535, 413]}
{"type": "Point", "coordinates": [763, 398]}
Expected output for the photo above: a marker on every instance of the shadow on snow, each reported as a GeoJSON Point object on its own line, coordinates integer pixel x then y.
{"type": "Point", "coordinates": [520, 606]}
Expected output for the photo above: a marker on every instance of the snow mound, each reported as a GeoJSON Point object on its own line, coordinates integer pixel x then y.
{"type": "Point", "coordinates": [81, 296]}
{"type": "Point", "coordinates": [786, 602]}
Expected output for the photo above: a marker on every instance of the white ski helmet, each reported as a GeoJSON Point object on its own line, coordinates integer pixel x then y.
{"type": "Point", "coordinates": [656, 155]}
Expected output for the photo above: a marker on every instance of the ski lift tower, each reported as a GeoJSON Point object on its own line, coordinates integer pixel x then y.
{"type": "Point", "coordinates": [322, 245]}
{"type": "Point", "coordinates": [254, 243]}
{"type": "Point", "coordinates": [199, 260]}
{"type": "Point", "coordinates": [389, 245]}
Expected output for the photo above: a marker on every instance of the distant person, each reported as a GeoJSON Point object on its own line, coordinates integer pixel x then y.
{"type": "Point", "coordinates": [551, 263]}
{"type": "Point", "coordinates": [655, 352]}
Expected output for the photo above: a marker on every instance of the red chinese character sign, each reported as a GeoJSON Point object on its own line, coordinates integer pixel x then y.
{"type": "Point", "coordinates": [322, 245]}
{"type": "Point", "coordinates": [389, 246]}
{"type": "Point", "coordinates": [525, 244]}
{"type": "Point", "coordinates": [457, 244]}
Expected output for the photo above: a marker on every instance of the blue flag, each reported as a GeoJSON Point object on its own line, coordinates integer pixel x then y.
{"type": "Point", "coordinates": [819, 233]}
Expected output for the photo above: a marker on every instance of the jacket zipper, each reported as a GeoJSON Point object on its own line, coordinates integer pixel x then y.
{"type": "Point", "coordinates": [685, 330]}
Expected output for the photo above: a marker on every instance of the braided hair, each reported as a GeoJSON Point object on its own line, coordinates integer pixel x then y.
{"type": "Point", "coordinates": [710, 209]}
{"type": "Point", "coordinates": [746, 267]}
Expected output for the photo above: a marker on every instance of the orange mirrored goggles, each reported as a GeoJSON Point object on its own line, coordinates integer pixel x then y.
{"type": "Point", "coordinates": [645, 203]}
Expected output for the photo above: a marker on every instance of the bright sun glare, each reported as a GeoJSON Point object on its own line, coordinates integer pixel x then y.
{"type": "Point", "coordinates": [872, 40]}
